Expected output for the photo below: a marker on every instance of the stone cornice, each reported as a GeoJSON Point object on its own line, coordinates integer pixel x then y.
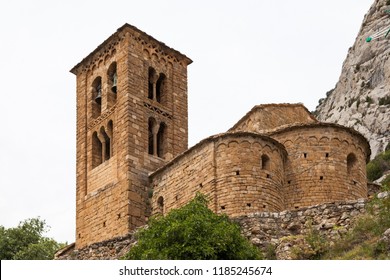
{"type": "Point", "coordinates": [215, 138]}
{"type": "Point", "coordinates": [111, 42]}
{"type": "Point", "coordinates": [324, 124]}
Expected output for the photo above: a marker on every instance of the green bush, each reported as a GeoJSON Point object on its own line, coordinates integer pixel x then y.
{"type": "Point", "coordinates": [192, 232]}
{"type": "Point", "coordinates": [378, 166]}
{"type": "Point", "coordinates": [384, 100]}
{"type": "Point", "coordinates": [373, 171]}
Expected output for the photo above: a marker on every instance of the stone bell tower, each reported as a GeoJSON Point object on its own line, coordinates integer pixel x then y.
{"type": "Point", "coordinates": [131, 118]}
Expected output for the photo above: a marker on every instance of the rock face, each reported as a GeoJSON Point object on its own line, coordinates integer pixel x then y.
{"type": "Point", "coordinates": [361, 98]}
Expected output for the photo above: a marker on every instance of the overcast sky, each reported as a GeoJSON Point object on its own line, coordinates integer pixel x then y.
{"type": "Point", "coordinates": [245, 52]}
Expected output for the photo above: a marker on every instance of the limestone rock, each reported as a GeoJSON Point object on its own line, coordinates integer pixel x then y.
{"type": "Point", "coordinates": [361, 97]}
{"type": "Point", "coordinates": [386, 239]}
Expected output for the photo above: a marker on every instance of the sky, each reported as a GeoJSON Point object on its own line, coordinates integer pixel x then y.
{"type": "Point", "coordinates": [245, 53]}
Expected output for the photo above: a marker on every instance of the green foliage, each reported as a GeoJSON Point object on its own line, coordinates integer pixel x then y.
{"type": "Point", "coordinates": [369, 100]}
{"type": "Point", "coordinates": [386, 182]}
{"type": "Point", "coordinates": [362, 241]}
{"type": "Point", "coordinates": [384, 100]}
{"type": "Point", "coordinates": [192, 232]}
{"type": "Point", "coordinates": [26, 242]}
{"type": "Point", "coordinates": [378, 166]}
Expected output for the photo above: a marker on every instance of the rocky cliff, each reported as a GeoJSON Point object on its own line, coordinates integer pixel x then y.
{"type": "Point", "coordinates": [361, 97]}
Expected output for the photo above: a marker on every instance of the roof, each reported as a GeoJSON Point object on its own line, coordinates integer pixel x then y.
{"type": "Point", "coordinates": [142, 35]}
{"type": "Point", "coordinates": [273, 105]}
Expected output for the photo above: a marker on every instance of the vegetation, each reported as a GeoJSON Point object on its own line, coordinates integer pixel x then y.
{"type": "Point", "coordinates": [369, 100]}
{"type": "Point", "coordinates": [363, 240]}
{"type": "Point", "coordinates": [192, 232]}
{"type": "Point", "coordinates": [26, 242]}
{"type": "Point", "coordinates": [384, 100]}
{"type": "Point", "coordinates": [378, 166]}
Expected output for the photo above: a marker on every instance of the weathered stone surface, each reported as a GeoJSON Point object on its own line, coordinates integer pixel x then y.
{"type": "Point", "coordinates": [331, 220]}
{"type": "Point", "coordinates": [358, 100]}
{"type": "Point", "coordinates": [386, 239]}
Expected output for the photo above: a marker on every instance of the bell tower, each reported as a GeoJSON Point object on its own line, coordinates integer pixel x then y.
{"type": "Point", "coordinates": [132, 118]}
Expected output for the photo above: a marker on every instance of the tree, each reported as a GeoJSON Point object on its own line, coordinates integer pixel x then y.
{"type": "Point", "coordinates": [192, 232]}
{"type": "Point", "coordinates": [26, 241]}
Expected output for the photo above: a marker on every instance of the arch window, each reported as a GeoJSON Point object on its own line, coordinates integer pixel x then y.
{"type": "Point", "coordinates": [97, 97]}
{"type": "Point", "coordinates": [106, 143]}
{"type": "Point", "coordinates": [161, 140]}
{"type": "Point", "coordinates": [102, 143]}
{"type": "Point", "coordinates": [160, 204]}
{"type": "Point", "coordinates": [97, 148]}
{"type": "Point", "coordinates": [156, 86]}
{"type": "Point", "coordinates": [156, 138]}
{"type": "Point", "coordinates": [151, 128]}
{"type": "Point", "coordinates": [351, 164]}
{"type": "Point", "coordinates": [160, 88]}
{"type": "Point", "coordinates": [112, 81]}
{"type": "Point", "coordinates": [265, 162]}
{"type": "Point", "coordinates": [151, 83]}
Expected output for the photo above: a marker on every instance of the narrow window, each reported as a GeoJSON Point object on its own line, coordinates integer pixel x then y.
{"type": "Point", "coordinates": [160, 204]}
{"type": "Point", "coordinates": [106, 145]}
{"type": "Point", "coordinates": [161, 140]}
{"type": "Point", "coordinates": [305, 155]}
{"type": "Point", "coordinates": [151, 83]}
{"type": "Point", "coordinates": [110, 132]}
{"type": "Point", "coordinates": [327, 155]}
{"type": "Point", "coordinates": [351, 163]}
{"type": "Point", "coordinates": [96, 97]}
{"type": "Point", "coordinates": [112, 79]}
{"type": "Point", "coordinates": [265, 162]}
{"type": "Point", "coordinates": [96, 150]}
{"type": "Point", "coordinates": [151, 125]}
{"type": "Point", "coordinates": [160, 88]}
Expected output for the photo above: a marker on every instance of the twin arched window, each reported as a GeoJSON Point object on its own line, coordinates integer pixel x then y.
{"type": "Point", "coordinates": [156, 86]}
{"type": "Point", "coordinates": [104, 96]}
{"type": "Point", "coordinates": [156, 138]}
{"type": "Point", "coordinates": [102, 144]}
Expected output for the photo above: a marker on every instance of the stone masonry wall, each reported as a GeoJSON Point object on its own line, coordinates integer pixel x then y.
{"type": "Point", "coordinates": [318, 169]}
{"type": "Point", "coordinates": [243, 185]}
{"type": "Point", "coordinates": [262, 229]}
{"type": "Point", "coordinates": [331, 220]}
{"type": "Point", "coordinates": [228, 169]}
{"type": "Point", "coordinates": [179, 183]}
{"type": "Point", "coordinates": [114, 135]}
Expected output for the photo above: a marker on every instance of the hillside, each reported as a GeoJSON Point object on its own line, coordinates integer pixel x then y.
{"type": "Point", "coordinates": [361, 97]}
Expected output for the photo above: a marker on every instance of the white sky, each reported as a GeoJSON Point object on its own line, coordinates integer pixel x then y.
{"type": "Point", "coordinates": [245, 52]}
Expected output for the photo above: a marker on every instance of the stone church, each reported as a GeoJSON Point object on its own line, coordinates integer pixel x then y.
{"type": "Point", "coordinates": [133, 159]}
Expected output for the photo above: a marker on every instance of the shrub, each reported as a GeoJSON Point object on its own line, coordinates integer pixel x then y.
{"type": "Point", "coordinates": [373, 171]}
{"type": "Point", "coordinates": [384, 100]}
{"type": "Point", "coordinates": [378, 166]}
{"type": "Point", "coordinates": [192, 232]}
